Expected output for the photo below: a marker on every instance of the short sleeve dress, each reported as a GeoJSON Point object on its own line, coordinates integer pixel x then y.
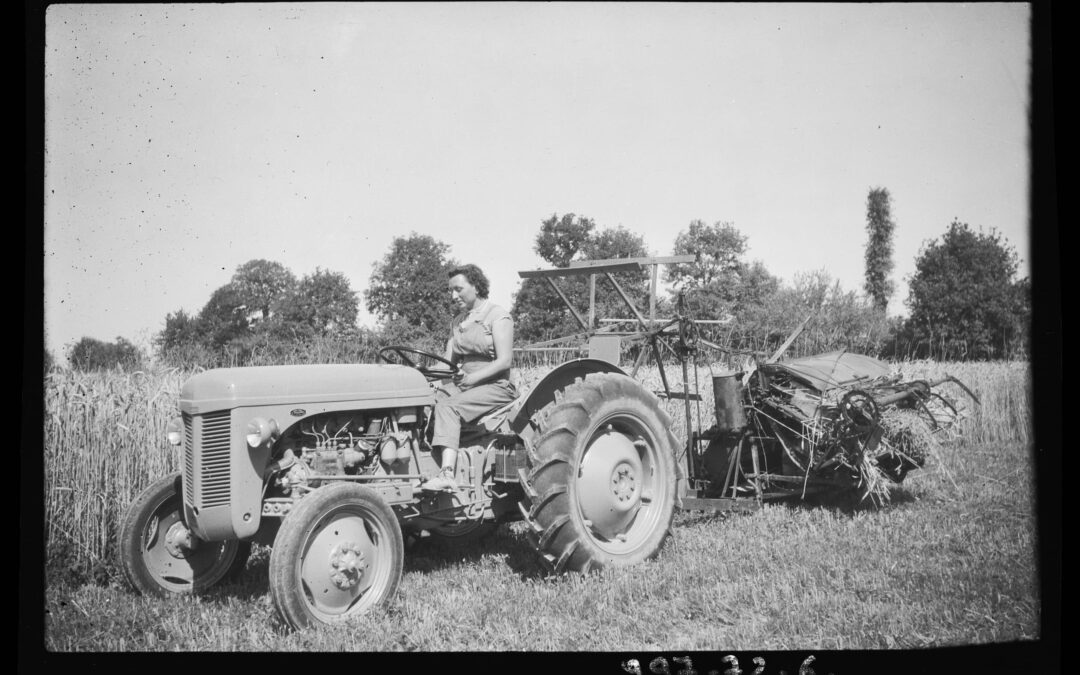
{"type": "Point", "coordinates": [472, 343]}
{"type": "Point", "coordinates": [472, 339]}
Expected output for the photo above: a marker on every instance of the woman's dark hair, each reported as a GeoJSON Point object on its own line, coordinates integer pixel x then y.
{"type": "Point", "coordinates": [475, 276]}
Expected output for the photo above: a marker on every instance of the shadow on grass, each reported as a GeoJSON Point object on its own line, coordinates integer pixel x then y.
{"type": "Point", "coordinates": [429, 554]}
{"type": "Point", "coordinates": [425, 555]}
{"type": "Point", "coordinates": [850, 502]}
{"type": "Point", "coordinates": [841, 502]}
{"type": "Point", "coordinates": [252, 583]}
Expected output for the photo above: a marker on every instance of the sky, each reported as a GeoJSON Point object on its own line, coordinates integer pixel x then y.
{"type": "Point", "coordinates": [183, 140]}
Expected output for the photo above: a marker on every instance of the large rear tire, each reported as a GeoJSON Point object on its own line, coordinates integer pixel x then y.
{"type": "Point", "coordinates": [338, 554]}
{"type": "Point", "coordinates": [601, 481]}
{"type": "Point", "coordinates": [161, 557]}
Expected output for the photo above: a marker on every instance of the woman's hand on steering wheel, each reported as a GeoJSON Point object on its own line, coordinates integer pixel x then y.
{"type": "Point", "coordinates": [402, 353]}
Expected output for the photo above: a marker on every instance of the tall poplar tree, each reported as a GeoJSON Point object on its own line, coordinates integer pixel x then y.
{"type": "Point", "coordinates": [879, 247]}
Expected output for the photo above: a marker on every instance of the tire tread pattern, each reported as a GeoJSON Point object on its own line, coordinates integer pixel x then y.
{"type": "Point", "coordinates": [561, 540]}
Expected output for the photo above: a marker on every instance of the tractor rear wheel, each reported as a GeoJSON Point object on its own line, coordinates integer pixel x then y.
{"type": "Point", "coordinates": [600, 486]}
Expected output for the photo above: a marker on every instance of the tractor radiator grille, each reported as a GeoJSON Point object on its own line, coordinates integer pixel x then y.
{"type": "Point", "coordinates": [189, 459]}
{"type": "Point", "coordinates": [206, 460]}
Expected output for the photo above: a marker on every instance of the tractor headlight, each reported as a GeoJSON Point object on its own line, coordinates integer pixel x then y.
{"type": "Point", "coordinates": [175, 431]}
{"type": "Point", "coordinates": [260, 430]}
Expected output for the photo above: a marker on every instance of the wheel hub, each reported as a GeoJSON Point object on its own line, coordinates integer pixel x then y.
{"type": "Point", "coordinates": [178, 540]}
{"type": "Point", "coordinates": [610, 482]}
{"type": "Point", "coordinates": [623, 482]}
{"type": "Point", "coordinates": [348, 563]}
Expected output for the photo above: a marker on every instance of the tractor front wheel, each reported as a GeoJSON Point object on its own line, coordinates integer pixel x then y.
{"type": "Point", "coordinates": [338, 554]}
{"type": "Point", "coordinates": [160, 556]}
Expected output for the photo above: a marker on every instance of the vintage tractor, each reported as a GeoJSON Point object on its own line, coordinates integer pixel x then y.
{"type": "Point", "coordinates": [325, 462]}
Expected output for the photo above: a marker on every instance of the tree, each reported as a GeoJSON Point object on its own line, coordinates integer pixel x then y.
{"type": "Point", "coordinates": [181, 330]}
{"type": "Point", "coordinates": [839, 319]}
{"type": "Point", "coordinates": [322, 304]}
{"type": "Point", "coordinates": [184, 341]}
{"type": "Point", "coordinates": [91, 354]}
{"type": "Point", "coordinates": [879, 247]}
{"type": "Point", "coordinates": [964, 300]}
{"type": "Point", "coordinates": [561, 239]}
{"type": "Point", "coordinates": [718, 248]}
{"type": "Point", "coordinates": [229, 318]}
{"type": "Point", "coordinates": [613, 242]}
{"type": "Point", "coordinates": [260, 284]}
{"type": "Point", "coordinates": [250, 296]}
{"type": "Point", "coordinates": [539, 313]}
{"type": "Point", "coordinates": [756, 284]}
{"type": "Point", "coordinates": [713, 280]}
{"type": "Point", "coordinates": [224, 317]}
{"type": "Point", "coordinates": [617, 242]}
{"type": "Point", "coordinates": [410, 284]}
{"type": "Point", "coordinates": [261, 313]}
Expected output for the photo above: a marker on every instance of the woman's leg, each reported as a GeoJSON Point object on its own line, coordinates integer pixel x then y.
{"type": "Point", "coordinates": [450, 413]}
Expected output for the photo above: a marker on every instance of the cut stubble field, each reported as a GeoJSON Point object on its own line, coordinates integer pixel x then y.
{"type": "Point", "coordinates": [950, 560]}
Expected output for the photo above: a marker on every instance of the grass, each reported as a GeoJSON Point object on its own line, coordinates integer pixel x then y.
{"type": "Point", "coordinates": [950, 561]}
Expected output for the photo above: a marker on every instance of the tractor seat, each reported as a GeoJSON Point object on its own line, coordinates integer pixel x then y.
{"type": "Point", "coordinates": [491, 421]}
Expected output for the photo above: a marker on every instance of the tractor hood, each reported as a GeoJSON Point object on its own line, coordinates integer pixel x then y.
{"type": "Point", "coordinates": [368, 385]}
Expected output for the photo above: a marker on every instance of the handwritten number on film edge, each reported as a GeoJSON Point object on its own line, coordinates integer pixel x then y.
{"type": "Point", "coordinates": [659, 666]}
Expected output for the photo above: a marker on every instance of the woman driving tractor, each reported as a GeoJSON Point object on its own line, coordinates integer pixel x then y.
{"type": "Point", "coordinates": [481, 345]}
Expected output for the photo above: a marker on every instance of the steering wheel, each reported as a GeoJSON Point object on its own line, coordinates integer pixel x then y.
{"type": "Point", "coordinates": [399, 354]}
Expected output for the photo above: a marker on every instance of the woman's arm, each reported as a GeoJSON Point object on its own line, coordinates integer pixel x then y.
{"type": "Point", "coordinates": [502, 332]}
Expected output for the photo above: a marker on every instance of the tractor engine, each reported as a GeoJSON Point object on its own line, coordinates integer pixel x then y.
{"type": "Point", "coordinates": [350, 443]}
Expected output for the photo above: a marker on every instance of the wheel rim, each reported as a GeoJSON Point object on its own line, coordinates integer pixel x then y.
{"type": "Point", "coordinates": [618, 489]}
{"type": "Point", "coordinates": [176, 559]}
{"type": "Point", "coordinates": [346, 563]}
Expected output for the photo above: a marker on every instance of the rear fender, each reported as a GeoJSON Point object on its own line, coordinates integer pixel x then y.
{"type": "Point", "coordinates": [543, 392]}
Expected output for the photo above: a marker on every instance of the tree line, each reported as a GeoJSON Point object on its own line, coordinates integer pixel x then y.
{"type": "Point", "coordinates": [965, 301]}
